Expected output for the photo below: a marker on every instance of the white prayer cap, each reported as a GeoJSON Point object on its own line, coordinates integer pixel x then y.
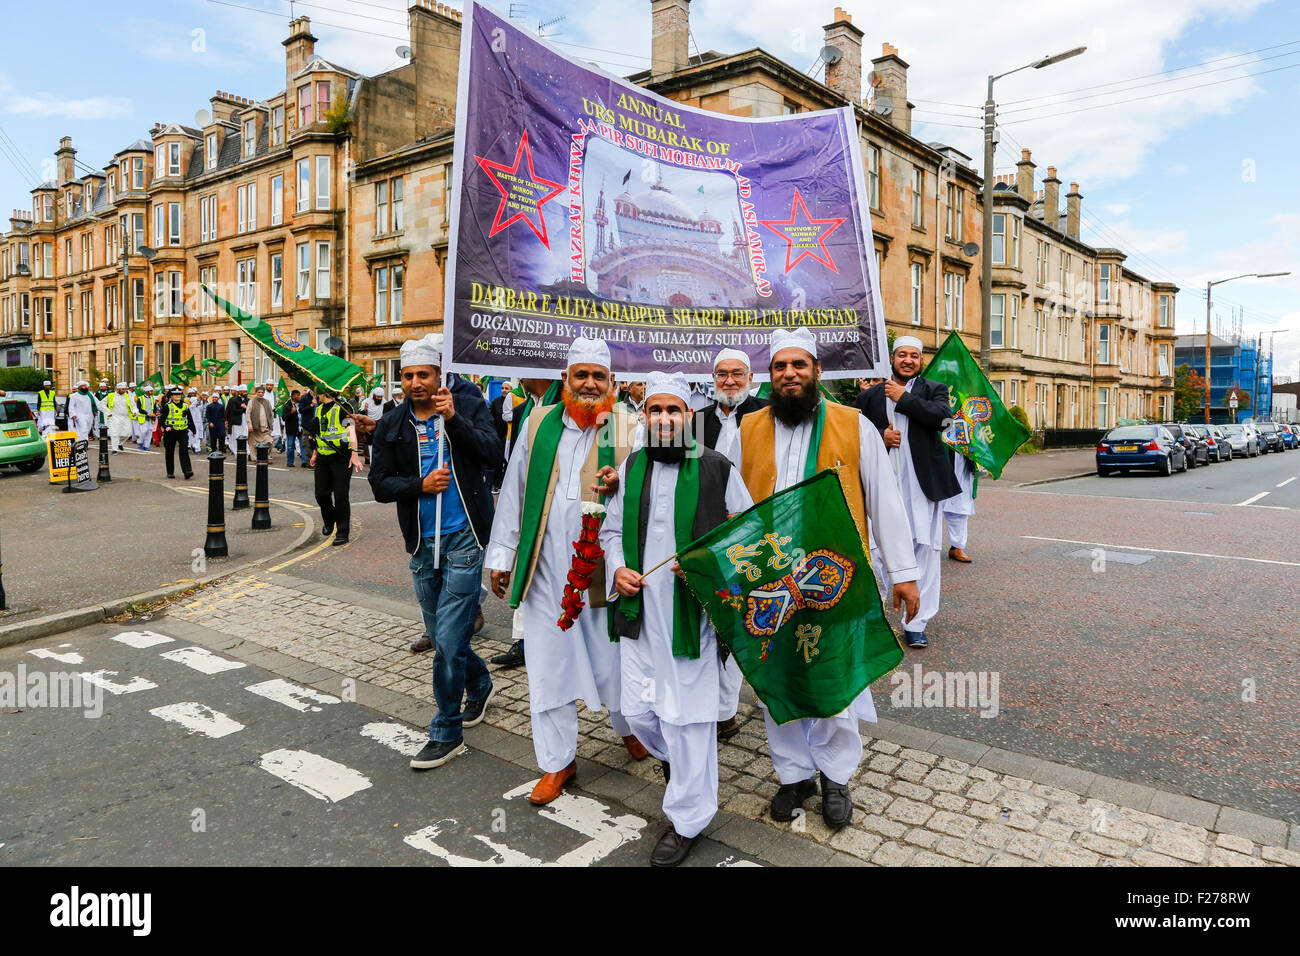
{"type": "Point", "coordinates": [46, 382]}
{"type": "Point", "coordinates": [792, 339]}
{"type": "Point", "coordinates": [665, 383]}
{"type": "Point", "coordinates": [376, 391]}
{"type": "Point", "coordinates": [585, 351]}
{"type": "Point", "coordinates": [121, 385]}
{"type": "Point", "coordinates": [148, 388]}
{"type": "Point", "coordinates": [425, 351]}
{"type": "Point", "coordinates": [132, 385]}
{"type": "Point", "coordinates": [192, 392]}
{"type": "Point", "coordinates": [908, 341]}
{"type": "Point", "coordinates": [103, 384]}
{"type": "Point", "coordinates": [731, 355]}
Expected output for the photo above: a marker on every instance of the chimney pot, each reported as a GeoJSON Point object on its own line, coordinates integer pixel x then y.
{"type": "Point", "coordinates": [1025, 176]}
{"type": "Point", "coordinates": [892, 70]}
{"type": "Point", "coordinates": [845, 75]}
{"type": "Point", "coordinates": [670, 22]}
{"type": "Point", "coordinates": [1073, 207]}
{"type": "Point", "coordinates": [1051, 199]}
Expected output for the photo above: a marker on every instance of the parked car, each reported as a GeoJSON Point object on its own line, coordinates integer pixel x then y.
{"type": "Point", "coordinates": [1243, 440]}
{"type": "Point", "coordinates": [1140, 446]}
{"type": "Point", "coordinates": [1218, 449]}
{"type": "Point", "coordinates": [1196, 450]}
{"type": "Point", "coordinates": [1290, 434]}
{"type": "Point", "coordinates": [1271, 436]}
{"type": "Point", "coordinates": [20, 442]}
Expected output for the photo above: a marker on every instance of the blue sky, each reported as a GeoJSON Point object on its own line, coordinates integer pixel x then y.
{"type": "Point", "coordinates": [1193, 183]}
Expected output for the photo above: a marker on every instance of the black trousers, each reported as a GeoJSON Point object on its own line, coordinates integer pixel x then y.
{"type": "Point", "coordinates": [177, 440]}
{"type": "Point", "coordinates": [332, 478]}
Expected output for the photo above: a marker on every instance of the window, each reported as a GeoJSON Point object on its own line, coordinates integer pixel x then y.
{"type": "Point", "coordinates": [1040, 260]}
{"type": "Point", "coordinates": [952, 300]}
{"type": "Point", "coordinates": [304, 270]}
{"type": "Point", "coordinates": [322, 270]}
{"type": "Point", "coordinates": [322, 182]}
{"type": "Point", "coordinates": [917, 275]}
{"type": "Point", "coordinates": [322, 99]}
{"type": "Point", "coordinates": [25, 310]}
{"type": "Point", "coordinates": [277, 200]}
{"type": "Point", "coordinates": [918, 196]}
{"type": "Point", "coordinates": [177, 294]}
{"type": "Point", "coordinates": [112, 185]}
{"type": "Point", "coordinates": [1103, 408]}
{"type": "Point", "coordinates": [138, 371]}
{"type": "Point", "coordinates": [47, 203]}
{"type": "Point", "coordinates": [137, 306]}
{"type": "Point", "coordinates": [277, 280]}
{"type": "Point", "coordinates": [1164, 316]}
{"type": "Point", "coordinates": [246, 197]}
{"type": "Point", "coordinates": [1062, 338]}
{"type": "Point", "coordinates": [381, 208]}
{"type": "Point", "coordinates": [277, 126]}
{"type": "Point", "coordinates": [954, 203]}
{"type": "Point", "coordinates": [246, 284]}
{"type": "Point", "coordinates": [210, 148]}
{"type": "Point", "coordinates": [1162, 362]}
{"type": "Point", "coordinates": [397, 205]}
{"type": "Point", "coordinates": [137, 172]}
{"type": "Point", "coordinates": [208, 218]}
{"type": "Point", "coordinates": [873, 176]}
{"type": "Point", "coordinates": [1103, 345]}
{"type": "Point", "coordinates": [1015, 241]}
{"type": "Point", "coordinates": [250, 136]}
{"type": "Point", "coordinates": [48, 248]}
{"type": "Point", "coordinates": [110, 308]}
{"type": "Point", "coordinates": [159, 294]}
{"type": "Point", "coordinates": [999, 239]}
{"type": "Point", "coordinates": [1103, 287]}
{"type": "Point", "coordinates": [304, 184]}
{"type": "Point", "coordinates": [304, 105]}
{"type": "Point", "coordinates": [322, 335]}
{"type": "Point", "coordinates": [159, 161]}
{"type": "Point", "coordinates": [997, 320]}
{"type": "Point", "coordinates": [47, 315]}
{"type": "Point", "coordinates": [87, 313]}
{"type": "Point", "coordinates": [1065, 273]}
{"type": "Point", "coordinates": [69, 308]}
{"type": "Point", "coordinates": [173, 159]}
{"type": "Point", "coordinates": [208, 277]}
{"type": "Point", "coordinates": [137, 231]}
{"type": "Point", "coordinates": [381, 296]}
{"type": "Point", "coordinates": [173, 224]}
{"type": "Point", "coordinates": [1040, 405]}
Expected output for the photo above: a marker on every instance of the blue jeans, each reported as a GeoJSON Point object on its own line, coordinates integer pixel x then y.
{"type": "Point", "coordinates": [289, 442]}
{"type": "Point", "coordinates": [449, 600]}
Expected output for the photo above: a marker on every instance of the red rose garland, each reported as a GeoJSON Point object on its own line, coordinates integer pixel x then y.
{"type": "Point", "coordinates": [587, 553]}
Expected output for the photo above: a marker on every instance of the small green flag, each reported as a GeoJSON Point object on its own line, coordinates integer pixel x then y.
{"type": "Point", "coordinates": [982, 429]}
{"type": "Point", "coordinates": [181, 374]}
{"type": "Point", "coordinates": [218, 367]}
{"type": "Point", "coordinates": [156, 380]}
{"type": "Point", "coordinates": [282, 396]}
{"type": "Point", "coordinates": [789, 589]}
{"type": "Point", "coordinates": [373, 382]}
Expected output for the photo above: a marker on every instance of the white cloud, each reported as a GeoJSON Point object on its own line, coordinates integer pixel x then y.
{"type": "Point", "coordinates": [1177, 169]}
{"type": "Point", "coordinates": [53, 106]}
{"type": "Point", "coordinates": [1117, 208]}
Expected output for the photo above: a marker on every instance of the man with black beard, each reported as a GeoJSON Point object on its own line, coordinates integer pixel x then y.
{"type": "Point", "coordinates": [799, 435]}
{"type": "Point", "coordinates": [671, 674]}
{"type": "Point", "coordinates": [906, 408]}
{"type": "Point", "coordinates": [719, 421]}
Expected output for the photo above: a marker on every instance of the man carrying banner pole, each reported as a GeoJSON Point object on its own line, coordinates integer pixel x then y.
{"type": "Point", "coordinates": [564, 456]}
{"type": "Point", "coordinates": [799, 434]}
{"type": "Point", "coordinates": [670, 492]}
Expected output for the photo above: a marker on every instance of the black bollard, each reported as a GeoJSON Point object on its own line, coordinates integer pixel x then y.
{"type": "Point", "coordinates": [261, 503]}
{"type": "Point", "coordinates": [240, 501]}
{"type": "Point", "coordinates": [103, 460]}
{"type": "Point", "coordinates": [3, 605]}
{"type": "Point", "coordinates": [215, 545]}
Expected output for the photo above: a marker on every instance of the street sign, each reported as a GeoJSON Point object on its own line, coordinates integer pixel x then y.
{"type": "Point", "coordinates": [59, 449]}
{"type": "Point", "coordinates": [1232, 400]}
{"type": "Point", "coordinates": [79, 479]}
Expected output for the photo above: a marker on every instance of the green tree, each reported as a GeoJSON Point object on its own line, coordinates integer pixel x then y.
{"type": "Point", "coordinates": [1022, 416]}
{"type": "Point", "coordinates": [1189, 392]}
{"type": "Point", "coordinates": [22, 378]}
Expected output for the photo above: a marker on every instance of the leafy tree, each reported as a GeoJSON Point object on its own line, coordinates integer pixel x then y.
{"type": "Point", "coordinates": [1189, 392]}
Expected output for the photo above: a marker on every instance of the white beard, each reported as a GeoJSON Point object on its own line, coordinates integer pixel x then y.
{"type": "Point", "coordinates": [731, 401]}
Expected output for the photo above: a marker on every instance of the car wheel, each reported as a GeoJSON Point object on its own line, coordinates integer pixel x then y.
{"type": "Point", "coordinates": [34, 464]}
{"type": "Point", "coordinates": [1184, 465]}
{"type": "Point", "coordinates": [1103, 472]}
{"type": "Point", "coordinates": [1167, 466]}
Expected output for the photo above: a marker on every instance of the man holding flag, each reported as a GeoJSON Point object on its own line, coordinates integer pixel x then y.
{"type": "Point", "coordinates": [670, 492]}
{"type": "Point", "coordinates": [798, 435]}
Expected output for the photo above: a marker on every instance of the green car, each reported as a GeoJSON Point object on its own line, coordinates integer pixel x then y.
{"type": "Point", "coordinates": [20, 442]}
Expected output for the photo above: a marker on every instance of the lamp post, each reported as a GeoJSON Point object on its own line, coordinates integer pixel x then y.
{"type": "Point", "coordinates": [1209, 289]}
{"type": "Point", "coordinates": [986, 268]}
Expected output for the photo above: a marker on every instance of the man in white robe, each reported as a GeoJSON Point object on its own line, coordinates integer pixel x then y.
{"type": "Point", "coordinates": [778, 439]}
{"type": "Point", "coordinates": [958, 509]}
{"type": "Point", "coordinates": [581, 663]}
{"type": "Point", "coordinates": [121, 411]}
{"type": "Point", "coordinates": [670, 701]}
{"type": "Point", "coordinates": [48, 408]}
{"type": "Point", "coordinates": [196, 404]}
{"type": "Point", "coordinates": [81, 411]}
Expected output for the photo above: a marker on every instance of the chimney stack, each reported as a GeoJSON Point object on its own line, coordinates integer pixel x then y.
{"type": "Point", "coordinates": [670, 31]}
{"type": "Point", "coordinates": [1025, 176]}
{"type": "Point", "coordinates": [66, 156]}
{"type": "Point", "coordinates": [845, 75]}
{"type": "Point", "coordinates": [892, 70]}
{"type": "Point", "coordinates": [1051, 199]}
{"type": "Point", "coordinates": [1073, 199]}
{"type": "Point", "coordinates": [298, 49]}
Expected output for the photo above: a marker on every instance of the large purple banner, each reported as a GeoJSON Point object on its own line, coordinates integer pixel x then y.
{"type": "Point", "coordinates": [585, 205]}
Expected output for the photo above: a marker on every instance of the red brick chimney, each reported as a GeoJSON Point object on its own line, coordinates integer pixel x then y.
{"type": "Point", "coordinates": [844, 76]}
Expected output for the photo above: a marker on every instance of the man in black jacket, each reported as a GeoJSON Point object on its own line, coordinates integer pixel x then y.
{"type": "Point", "coordinates": [719, 421]}
{"type": "Point", "coordinates": [911, 413]}
{"type": "Point", "coordinates": [445, 515]}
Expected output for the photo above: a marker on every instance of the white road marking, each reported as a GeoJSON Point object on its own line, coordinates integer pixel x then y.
{"type": "Point", "coordinates": [101, 679]}
{"type": "Point", "coordinates": [202, 660]}
{"type": "Point", "coordinates": [1193, 554]}
{"type": "Point", "coordinates": [732, 861]}
{"type": "Point", "coordinates": [423, 839]}
{"type": "Point", "coordinates": [198, 719]}
{"type": "Point", "coordinates": [590, 818]}
{"type": "Point", "coordinates": [1287, 482]}
{"type": "Point", "coordinates": [1252, 499]}
{"type": "Point", "coordinates": [142, 639]}
{"type": "Point", "coordinates": [397, 736]}
{"type": "Point", "coordinates": [71, 657]}
{"type": "Point", "coordinates": [302, 699]}
{"type": "Point", "coordinates": [311, 773]}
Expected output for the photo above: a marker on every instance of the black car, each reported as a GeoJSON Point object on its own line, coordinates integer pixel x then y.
{"type": "Point", "coordinates": [1197, 451]}
{"type": "Point", "coordinates": [1271, 436]}
{"type": "Point", "coordinates": [1216, 445]}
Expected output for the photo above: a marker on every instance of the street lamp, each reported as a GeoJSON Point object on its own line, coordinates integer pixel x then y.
{"type": "Point", "coordinates": [986, 270]}
{"type": "Point", "coordinates": [1209, 286]}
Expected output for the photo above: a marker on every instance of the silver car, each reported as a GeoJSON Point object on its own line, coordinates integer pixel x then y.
{"type": "Point", "coordinates": [1242, 439]}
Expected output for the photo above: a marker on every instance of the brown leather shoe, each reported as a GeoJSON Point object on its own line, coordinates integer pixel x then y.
{"type": "Point", "coordinates": [425, 643]}
{"type": "Point", "coordinates": [552, 784]}
{"type": "Point", "coordinates": [957, 554]}
{"type": "Point", "coordinates": [728, 728]}
{"type": "Point", "coordinates": [635, 747]}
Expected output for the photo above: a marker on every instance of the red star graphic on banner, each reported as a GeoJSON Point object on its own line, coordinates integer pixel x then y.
{"type": "Point", "coordinates": [809, 234]}
{"type": "Point", "coordinates": [521, 193]}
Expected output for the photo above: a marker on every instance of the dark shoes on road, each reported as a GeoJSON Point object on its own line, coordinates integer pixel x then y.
{"type": "Point", "coordinates": [340, 539]}
{"type": "Point", "coordinates": [957, 554]}
{"type": "Point", "coordinates": [425, 643]}
{"type": "Point", "coordinates": [791, 796]}
{"type": "Point", "coordinates": [511, 658]}
{"type": "Point", "coordinates": [436, 754]}
{"type": "Point", "coordinates": [327, 530]}
{"type": "Point", "coordinates": [479, 622]}
{"type": "Point", "coordinates": [474, 711]}
{"type": "Point", "coordinates": [729, 728]}
{"type": "Point", "coordinates": [671, 849]}
{"type": "Point", "coordinates": [916, 639]}
{"type": "Point", "coordinates": [837, 805]}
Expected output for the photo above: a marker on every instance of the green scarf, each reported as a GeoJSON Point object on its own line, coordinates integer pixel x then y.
{"type": "Point", "coordinates": [686, 610]}
{"type": "Point", "coordinates": [521, 413]}
{"type": "Point", "coordinates": [815, 442]}
{"type": "Point", "coordinates": [541, 459]}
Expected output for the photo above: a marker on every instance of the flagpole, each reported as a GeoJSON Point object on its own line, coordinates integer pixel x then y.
{"type": "Point", "coordinates": [645, 574]}
{"type": "Point", "coordinates": [437, 512]}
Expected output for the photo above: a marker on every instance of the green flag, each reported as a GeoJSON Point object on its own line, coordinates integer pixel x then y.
{"type": "Point", "coordinates": [282, 396]}
{"type": "Point", "coordinates": [217, 367]}
{"type": "Point", "coordinates": [156, 380]}
{"type": "Point", "coordinates": [296, 359]}
{"type": "Point", "coordinates": [374, 382]}
{"type": "Point", "coordinates": [982, 429]}
{"type": "Point", "coordinates": [809, 635]}
{"type": "Point", "coordinates": [181, 374]}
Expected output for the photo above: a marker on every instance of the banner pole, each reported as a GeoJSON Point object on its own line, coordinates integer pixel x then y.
{"type": "Point", "coordinates": [645, 574]}
{"type": "Point", "coordinates": [437, 512]}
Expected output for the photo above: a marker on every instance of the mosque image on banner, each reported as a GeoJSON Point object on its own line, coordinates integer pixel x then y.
{"type": "Point", "coordinates": [583, 204]}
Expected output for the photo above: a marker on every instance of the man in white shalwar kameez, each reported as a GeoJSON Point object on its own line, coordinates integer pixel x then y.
{"type": "Point", "coordinates": [81, 411]}
{"type": "Point", "coordinates": [121, 412]}
{"type": "Point", "coordinates": [48, 408]}
{"type": "Point", "coordinates": [670, 700]}
{"type": "Point", "coordinates": [196, 404]}
{"type": "Point", "coordinates": [774, 453]}
{"type": "Point", "coordinates": [581, 663]}
{"type": "Point", "coordinates": [958, 509]}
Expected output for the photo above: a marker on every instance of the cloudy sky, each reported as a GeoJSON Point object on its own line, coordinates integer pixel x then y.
{"type": "Point", "coordinates": [1178, 123]}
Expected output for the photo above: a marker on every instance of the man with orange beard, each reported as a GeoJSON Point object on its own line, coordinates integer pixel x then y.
{"type": "Point", "coordinates": [565, 455]}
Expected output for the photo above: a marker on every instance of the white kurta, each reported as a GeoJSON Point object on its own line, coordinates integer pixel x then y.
{"type": "Point", "coordinates": [924, 515]}
{"type": "Point", "coordinates": [958, 509]}
{"type": "Point", "coordinates": [728, 433]}
{"type": "Point", "coordinates": [81, 414]}
{"type": "Point", "coordinates": [45, 422]}
{"type": "Point", "coordinates": [120, 415]}
{"type": "Point", "coordinates": [678, 689]}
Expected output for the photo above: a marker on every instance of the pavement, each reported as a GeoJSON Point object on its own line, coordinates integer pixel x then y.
{"type": "Point", "coordinates": [1052, 465]}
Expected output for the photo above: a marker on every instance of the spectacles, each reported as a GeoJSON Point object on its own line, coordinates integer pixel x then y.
{"type": "Point", "coordinates": [723, 376]}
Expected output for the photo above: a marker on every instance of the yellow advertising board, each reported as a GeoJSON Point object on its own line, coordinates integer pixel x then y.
{"type": "Point", "coordinates": [59, 446]}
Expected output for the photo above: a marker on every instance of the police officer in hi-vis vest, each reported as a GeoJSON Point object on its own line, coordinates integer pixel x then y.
{"type": "Point", "coordinates": [177, 424]}
{"type": "Point", "coordinates": [334, 460]}
{"type": "Point", "coordinates": [46, 408]}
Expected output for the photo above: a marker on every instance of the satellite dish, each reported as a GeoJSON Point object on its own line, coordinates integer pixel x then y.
{"type": "Point", "coordinates": [884, 107]}
{"type": "Point", "coordinates": [875, 80]}
{"type": "Point", "coordinates": [971, 249]}
{"type": "Point", "coordinates": [202, 118]}
{"type": "Point", "coordinates": [334, 344]}
{"type": "Point", "coordinates": [831, 55]}
{"type": "Point", "coordinates": [405, 52]}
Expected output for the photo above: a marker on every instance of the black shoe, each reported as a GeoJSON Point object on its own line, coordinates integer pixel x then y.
{"type": "Point", "coordinates": [475, 709]}
{"type": "Point", "coordinates": [479, 622]}
{"type": "Point", "coordinates": [171, 476]}
{"type": "Point", "coordinates": [189, 475]}
{"type": "Point", "coordinates": [789, 796]}
{"type": "Point", "coordinates": [437, 754]}
{"type": "Point", "coordinates": [916, 639]}
{"type": "Point", "coordinates": [511, 658]}
{"type": "Point", "coordinates": [837, 805]}
{"type": "Point", "coordinates": [671, 849]}
{"type": "Point", "coordinates": [327, 530]}
{"type": "Point", "coordinates": [666, 769]}
{"type": "Point", "coordinates": [425, 643]}
{"type": "Point", "coordinates": [728, 728]}
{"type": "Point", "coordinates": [291, 465]}
{"type": "Point", "coordinates": [340, 539]}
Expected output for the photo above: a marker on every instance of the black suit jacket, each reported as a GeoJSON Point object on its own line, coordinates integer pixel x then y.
{"type": "Point", "coordinates": [928, 411]}
{"type": "Point", "coordinates": [711, 428]}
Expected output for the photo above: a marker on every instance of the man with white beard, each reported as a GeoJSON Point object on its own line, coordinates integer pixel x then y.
{"type": "Point", "coordinates": [564, 456]}
{"type": "Point", "coordinates": [81, 411]}
{"type": "Point", "coordinates": [121, 410]}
